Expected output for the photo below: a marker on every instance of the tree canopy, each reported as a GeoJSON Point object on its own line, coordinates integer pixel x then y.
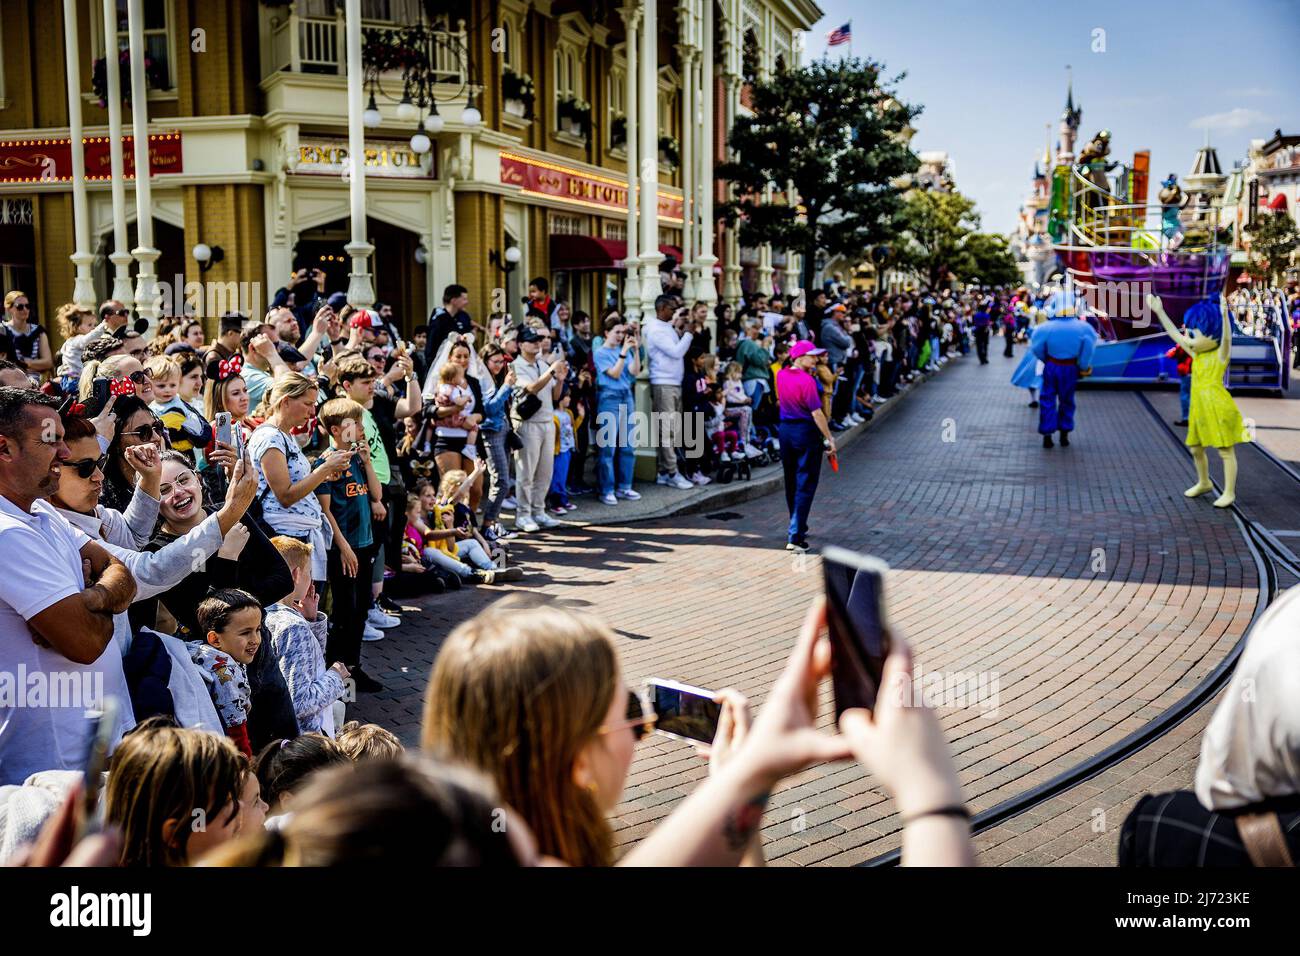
{"type": "Point", "coordinates": [1272, 241]}
{"type": "Point", "coordinates": [836, 133]}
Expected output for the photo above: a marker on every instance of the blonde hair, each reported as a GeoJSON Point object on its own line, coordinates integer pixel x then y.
{"type": "Point", "coordinates": [364, 741]}
{"type": "Point", "coordinates": [68, 317]}
{"type": "Point", "coordinates": [163, 368]}
{"type": "Point", "coordinates": [518, 692]}
{"type": "Point", "coordinates": [733, 369]}
{"type": "Point", "coordinates": [160, 773]}
{"type": "Point", "coordinates": [14, 296]}
{"type": "Point", "coordinates": [214, 396]}
{"type": "Point", "coordinates": [339, 410]}
{"type": "Point", "coordinates": [451, 480]}
{"type": "Point", "coordinates": [107, 368]}
{"type": "Point", "coordinates": [288, 385]}
{"type": "Point", "coordinates": [449, 372]}
{"type": "Point", "coordinates": [296, 554]}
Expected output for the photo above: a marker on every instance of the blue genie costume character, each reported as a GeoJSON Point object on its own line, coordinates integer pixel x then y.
{"type": "Point", "coordinates": [1064, 344]}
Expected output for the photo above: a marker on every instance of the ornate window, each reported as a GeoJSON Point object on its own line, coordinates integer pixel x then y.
{"type": "Point", "coordinates": [559, 224]}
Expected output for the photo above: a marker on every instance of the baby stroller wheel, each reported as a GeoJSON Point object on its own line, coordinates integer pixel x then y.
{"type": "Point", "coordinates": [743, 472]}
{"type": "Point", "coordinates": [725, 474]}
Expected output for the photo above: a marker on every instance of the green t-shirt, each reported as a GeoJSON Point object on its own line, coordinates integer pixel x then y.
{"type": "Point", "coordinates": [378, 454]}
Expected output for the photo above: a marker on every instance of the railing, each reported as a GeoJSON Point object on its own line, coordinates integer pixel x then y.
{"type": "Point", "coordinates": [303, 44]}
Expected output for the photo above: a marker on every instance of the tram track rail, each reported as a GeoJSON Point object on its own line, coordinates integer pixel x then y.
{"type": "Point", "coordinates": [1271, 558]}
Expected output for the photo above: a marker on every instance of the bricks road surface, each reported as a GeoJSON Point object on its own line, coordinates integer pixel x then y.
{"type": "Point", "coordinates": [1074, 593]}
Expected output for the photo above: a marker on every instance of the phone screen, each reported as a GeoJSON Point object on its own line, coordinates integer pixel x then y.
{"type": "Point", "coordinates": [682, 711]}
{"type": "Point", "coordinates": [88, 819]}
{"type": "Point", "coordinates": [855, 616]}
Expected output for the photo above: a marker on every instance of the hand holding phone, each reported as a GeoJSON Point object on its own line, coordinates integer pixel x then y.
{"type": "Point", "coordinates": [221, 422]}
{"type": "Point", "coordinates": [855, 617]}
{"type": "Point", "coordinates": [683, 711]}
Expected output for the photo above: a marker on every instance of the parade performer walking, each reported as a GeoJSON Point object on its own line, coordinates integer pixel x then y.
{"type": "Point", "coordinates": [1214, 419]}
{"type": "Point", "coordinates": [1064, 345]}
{"type": "Point", "coordinates": [1029, 373]}
{"type": "Point", "coordinates": [805, 437]}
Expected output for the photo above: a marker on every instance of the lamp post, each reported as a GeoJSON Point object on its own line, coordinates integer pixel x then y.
{"type": "Point", "coordinates": [120, 257]}
{"type": "Point", "coordinates": [631, 15]}
{"type": "Point", "coordinates": [361, 294]}
{"type": "Point", "coordinates": [648, 121]}
{"type": "Point", "coordinates": [83, 289]}
{"type": "Point", "coordinates": [146, 293]}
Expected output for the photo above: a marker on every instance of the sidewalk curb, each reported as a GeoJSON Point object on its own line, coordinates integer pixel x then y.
{"type": "Point", "coordinates": [766, 480]}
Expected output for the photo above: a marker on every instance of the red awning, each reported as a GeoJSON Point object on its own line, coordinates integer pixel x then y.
{"type": "Point", "coordinates": [1277, 203]}
{"type": "Point", "coordinates": [593, 254]}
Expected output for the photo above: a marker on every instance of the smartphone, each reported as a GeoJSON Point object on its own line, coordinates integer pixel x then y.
{"type": "Point", "coordinates": [855, 617]}
{"type": "Point", "coordinates": [238, 434]}
{"type": "Point", "coordinates": [221, 423]}
{"type": "Point", "coordinates": [99, 394]}
{"type": "Point", "coordinates": [682, 711]}
{"type": "Point", "coordinates": [89, 815]}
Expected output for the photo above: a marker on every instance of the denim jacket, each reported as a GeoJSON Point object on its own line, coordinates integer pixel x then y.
{"type": "Point", "coordinates": [495, 407]}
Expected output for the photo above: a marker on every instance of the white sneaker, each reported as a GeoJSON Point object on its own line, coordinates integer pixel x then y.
{"type": "Point", "coordinates": [724, 457]}
{"type": "Point", "coordinates": [752, 452]}
{"type": "Point", "coordinates": [664, 479]}
{"type": "Point", "coordinates": [608, 500]}
{"type": "Point", "coordinates": [682, 484]}
{"type": "Point", "coordinates": [377, 618]}
{"type": "Point", "coordinates": [509, 504]}
{"type": "Point", "coordinates": [776, 444]}
{"type": "Point", "coordinates": [629, 495]}
{"type": "Point", "coordinates": [546, 521]}
{"type": "Point", "coordinates": [700, 478]}
{"type": "Point", "coordinates": [526, 524]}
{"type": "Point", "coordinates": [372, 633]}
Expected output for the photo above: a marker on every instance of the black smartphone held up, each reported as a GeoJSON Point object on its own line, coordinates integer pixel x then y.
{"type": "Point", "coordinates": [88, 814]}
{"type": "Point", "coordinates": [99, 394]}
{"type": "Point", "coordinates": [855, 616]}
{"type": "Point", "coordinates": [684, 712]}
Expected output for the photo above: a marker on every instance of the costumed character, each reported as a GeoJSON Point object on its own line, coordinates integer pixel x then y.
{"type": "Point", "coordinates": [1214, 419]}
{"type": "Point", "coordinates": [1064, 344]}
{"type": "Point", "coordinates": [1172, 202]}
{"type": "Point", "coordinates": [1029, 373]}
{"type": "Point", "coordinates": [1092, 157]}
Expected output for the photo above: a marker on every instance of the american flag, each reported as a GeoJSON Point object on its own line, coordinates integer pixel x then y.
{"type": "Point", "coordinates": [841, 35]}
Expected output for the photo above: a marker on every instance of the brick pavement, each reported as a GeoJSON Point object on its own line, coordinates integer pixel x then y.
{"type": "Point", "coordinates": [1077, 582]}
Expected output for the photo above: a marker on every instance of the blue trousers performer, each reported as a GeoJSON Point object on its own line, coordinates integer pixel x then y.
{"type": "Point", "coordinates": [1064, 344]}
{"type": "Point", "coordinates": [805, 438]}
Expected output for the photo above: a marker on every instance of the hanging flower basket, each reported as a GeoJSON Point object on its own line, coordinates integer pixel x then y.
{"type": "Point", "coordinates": [519, 93]}
{"type": "Point", "coordinates": [155, 77]}
{"type": "Point", "coordinates": [575, 116]}
{"type": "Point", "coordinates": [669, 151]}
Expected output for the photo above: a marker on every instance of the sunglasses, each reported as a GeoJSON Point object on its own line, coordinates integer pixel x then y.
{"type": "Point", "coordinates": [21, 306]}
{"type": "Point", "coordinates": [145, 432]}
{"type": "Point", "coordinates": [87, 466]}
{"type": "Point", "coordinates": [108, 312]}
{"type": "Point", "coordinates": [639, 720]}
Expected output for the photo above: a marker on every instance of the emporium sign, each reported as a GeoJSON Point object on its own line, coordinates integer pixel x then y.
{"type": "Point", "coordinates": [573, 186]}
{"type": "Point", "coordinates": [393, 159]}
{"type": "Point", "coordinates": [50, 160]}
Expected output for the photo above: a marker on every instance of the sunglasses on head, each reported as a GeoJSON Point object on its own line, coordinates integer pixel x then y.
{"type": "Point", "coordinates": [145, 432]}
{"type": "Point", "coordinates": [86, 466]}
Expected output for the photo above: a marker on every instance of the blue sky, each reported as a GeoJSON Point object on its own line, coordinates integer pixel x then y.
{"type": "Point", "coordinates": [991, 74]}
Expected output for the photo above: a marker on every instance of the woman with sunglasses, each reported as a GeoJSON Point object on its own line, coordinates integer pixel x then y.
{"type": "Point", "coordinates": [133, 425]}
{"type": "Point", "coordinates": [30, 342]}
{"type": "Point", "coordinates": [124, 373]}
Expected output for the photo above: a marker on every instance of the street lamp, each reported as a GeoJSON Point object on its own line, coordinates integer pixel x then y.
{"type": "Point", "coordinates": [434, 122]}
{"type": "Point", "coordinates": [207, 256]}
{"type": "Point", "coordinates": [371, 117]}
{"type": "Point", "coordinates": [428, 58]}
{"type": "Point", "coordinates": [471, 117]}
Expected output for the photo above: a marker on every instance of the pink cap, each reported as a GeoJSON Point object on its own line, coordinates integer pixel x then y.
{"type": "Point", "coordinates": [805, 347]}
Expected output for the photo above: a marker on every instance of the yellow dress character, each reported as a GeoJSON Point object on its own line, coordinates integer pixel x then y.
{"type": "Point", "coordinates": [1214, 421]}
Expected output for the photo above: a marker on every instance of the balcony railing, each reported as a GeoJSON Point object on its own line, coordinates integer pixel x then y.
{"type": "Point", "coordinates": [303, 44]}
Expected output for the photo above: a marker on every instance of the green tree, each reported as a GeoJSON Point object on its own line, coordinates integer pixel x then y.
{"type": "Point", "coordinates": [989, 259]}
{"type": "Point", "coordinates": [836, 133]}
{"type": "Point", "coordinates": [936, 226]}
{"type": "Point", "coordinates": [1272, 241]}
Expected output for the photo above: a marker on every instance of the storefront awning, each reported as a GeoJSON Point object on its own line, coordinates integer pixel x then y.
{"type": "Point", "coordinates": [593, 254]}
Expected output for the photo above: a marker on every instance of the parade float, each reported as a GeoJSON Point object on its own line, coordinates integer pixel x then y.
{"type": "Point", "coordinates": [1113, 246]}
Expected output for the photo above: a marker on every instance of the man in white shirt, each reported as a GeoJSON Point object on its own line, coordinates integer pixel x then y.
{"type": "Point", "coordinates": [666, 346]}
{"type": "Point", "coordinates": [535, 461]}
{"type": "Point", "coordinates": [57, 659]}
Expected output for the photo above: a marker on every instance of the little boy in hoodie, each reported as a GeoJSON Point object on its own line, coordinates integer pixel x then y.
{"type": "Point", "coordinates": [231, 621]}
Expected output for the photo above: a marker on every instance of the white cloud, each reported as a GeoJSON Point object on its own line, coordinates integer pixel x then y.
{"type": "Point", "coordinates": [1236, 118]}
